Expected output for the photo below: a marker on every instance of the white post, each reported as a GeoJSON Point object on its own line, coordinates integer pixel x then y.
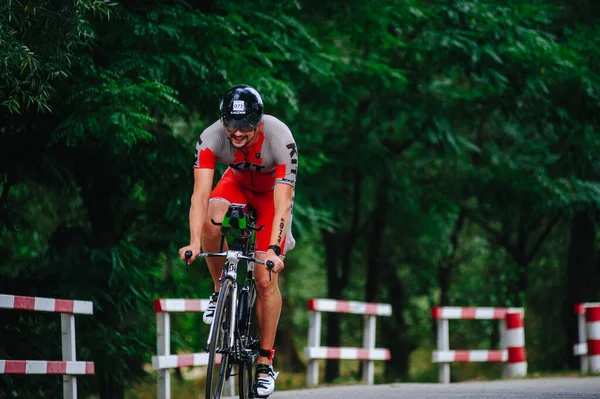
{"type": "Point", "coordinates": [229, 389]}
{"type": "Point", "coordinates": [584, 363]}
{"type": "Point", "coordinates": [443, 343]}
{"type": "Point", "coordinates": [369, 342]}
{"type": "Point", "coordinates": [67, 326]}
{"type": "Point", "coordinates": [314, 340]}
{"type": "Point", "coordinates": [163, 348]}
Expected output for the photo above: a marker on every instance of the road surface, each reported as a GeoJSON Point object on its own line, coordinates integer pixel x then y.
{"type": "Point", "coordinates": [561, 387]}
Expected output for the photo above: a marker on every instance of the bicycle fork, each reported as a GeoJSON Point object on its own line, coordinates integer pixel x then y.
{"type": "Point", "coordinates": [232, 318]}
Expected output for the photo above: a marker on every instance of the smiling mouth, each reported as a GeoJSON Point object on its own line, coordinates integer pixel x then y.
{"type": "Point", "coordinates": [238, 139]}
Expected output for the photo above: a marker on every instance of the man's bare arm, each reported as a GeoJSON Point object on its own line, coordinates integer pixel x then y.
{"type": "Point", "coordinates": [203, 179]}
{"type": "Point", "coordinates": [282, 197]}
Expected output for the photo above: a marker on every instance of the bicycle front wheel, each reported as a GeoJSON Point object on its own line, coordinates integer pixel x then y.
{"type": "Point", "coordinates": [218, 348]}
{"type": "Point", "coordinates": [250, 341]}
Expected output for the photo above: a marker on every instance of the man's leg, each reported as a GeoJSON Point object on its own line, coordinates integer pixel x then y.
{"type": "Point", "coordinates": [268, 307]}
{"type": "Point", "coordinates": [227, 191]}
{"type": "Point", "coordinates": [211, 238]}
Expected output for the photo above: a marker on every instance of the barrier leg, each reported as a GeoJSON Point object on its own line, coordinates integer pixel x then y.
{"type": "Point", "coordinates": [229, 389]}
{"type": "Point", "coordinates": [592, 317]}
{"type": "Point", "coordinates": [502, 330]}
{"type": "Point", "coordinates": [516, 365]}
{"type": "Point", "coordinates": [443, 344]}
{"type": "Point", "coordinates": [67, 326]}
{"type": "Point", "coordinates": [163, 348]}
{"type": "Point", "coordinates": [314, 340]}
{"type": "Point", "coordinates": [369, 342]}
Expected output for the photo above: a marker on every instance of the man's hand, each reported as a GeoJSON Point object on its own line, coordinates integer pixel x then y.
{"type": "Point", "coordinates": [195, 251]}
{"type": "Point", "coordinates": [276, 260]}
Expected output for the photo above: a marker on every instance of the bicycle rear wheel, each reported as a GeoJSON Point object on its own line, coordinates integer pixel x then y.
{"type": "Point", "coordinates": [218, 348]}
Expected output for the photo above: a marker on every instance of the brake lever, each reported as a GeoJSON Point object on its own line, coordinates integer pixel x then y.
{"type": "Point", "coordinates": [215, 223]}
{"type": "Point", "coordinates": [188, 256]}
{"type": "Point", "coordinates": [270, 265]}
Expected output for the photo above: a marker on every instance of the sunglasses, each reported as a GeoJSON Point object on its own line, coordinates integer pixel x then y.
{"type": "Point", "coordinates": [243, 130]}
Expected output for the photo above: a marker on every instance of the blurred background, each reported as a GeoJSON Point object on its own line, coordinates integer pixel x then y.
{"type": "Point", "coordinates": [448, 156]}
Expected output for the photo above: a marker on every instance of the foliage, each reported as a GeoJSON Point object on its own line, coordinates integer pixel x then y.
{"type": "Point", "coordinates": [38, 43]}
{"type": "Point", "coordinates": [447, 156]}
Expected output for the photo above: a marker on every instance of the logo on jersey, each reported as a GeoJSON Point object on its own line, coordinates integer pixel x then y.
{"type": "Point", "coordinates": [239, 107]}
{"type": "Point", "coordinates": [246, 166]}
{"type": "Point", "coordinates": [257, 155]}
{"type": "Point", "coordinates": [293, 157]}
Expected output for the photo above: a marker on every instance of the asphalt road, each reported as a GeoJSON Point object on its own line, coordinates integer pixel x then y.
{"type": "Point", "coordinates": [563, 388]}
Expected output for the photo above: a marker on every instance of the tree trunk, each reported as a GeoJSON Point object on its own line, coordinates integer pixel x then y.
{"type": "Point", "coordinates": [334, 291]}
{"type": "Point", "coordinates": [338, 255]}
{"type": "Point", "coordinates": [447, 267]}
{"type": "Point", "coordinates": [375, 259]}
{"type": "Point", "coordinates": [582, 274]}
{"type": "Point", "coordinates": [394, 331]}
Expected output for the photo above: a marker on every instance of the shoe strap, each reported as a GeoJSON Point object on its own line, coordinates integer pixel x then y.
{"type": "Point", "coordinates": [265, 369]}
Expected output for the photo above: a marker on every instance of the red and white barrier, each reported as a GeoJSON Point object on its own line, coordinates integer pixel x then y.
{"type": "Point", "coordinates": [45, 304]}
{"type": "Point", "coordinates": [581, 348]}
{"type": "Point", "coordinates": [68, 367]}
{"type": "Point", "coordinates": [469, 356]}
{"type": "Point", "coordinates": [45, 367]}
{"type": "Point", "coordinates": [516, 364]}
{"type": "Point", "coordinates": [512, 339]}
{"type": "Point", "coordinates": [164, 361]}
{"type": "Point", "coordinates": [325, 352]}
{"type": "Point", "coordinates": [592, 318]}
{"type": "Point", "coordinates": [368, 353]}
{"type": "Point", "coordinates": [337, 306]}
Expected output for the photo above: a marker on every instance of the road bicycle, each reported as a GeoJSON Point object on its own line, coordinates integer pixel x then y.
{"type": "Point", "coordinates": [234, 338]}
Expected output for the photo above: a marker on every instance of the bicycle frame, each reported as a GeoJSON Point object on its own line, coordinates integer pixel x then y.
{"type": "Point", "coordinates": [232, 258]}
{"type": "Point", "coordinates": [230, 273]}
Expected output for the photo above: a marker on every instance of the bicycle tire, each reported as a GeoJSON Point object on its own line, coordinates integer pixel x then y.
{"type": "Point", "coordinates": [251, 341]}
{"type": "Point", "coordinates": [219, 344]}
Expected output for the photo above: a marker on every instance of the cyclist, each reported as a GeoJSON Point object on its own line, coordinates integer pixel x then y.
{"type": "Point", "coordinates": [262, 161]}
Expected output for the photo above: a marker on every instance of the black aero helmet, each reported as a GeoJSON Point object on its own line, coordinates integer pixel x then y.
{"type": "Point", "coordinates": [241, 108]}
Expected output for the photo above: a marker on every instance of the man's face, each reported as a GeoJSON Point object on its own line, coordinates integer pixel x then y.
{"type": "Point", "coordinates": [239, 138]}
{"type": "Point", "coordinates": [242, 137]}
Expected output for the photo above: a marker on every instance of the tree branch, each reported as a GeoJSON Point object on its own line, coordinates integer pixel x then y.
{"type": "Point", "coordinates": [542, 238]}
{"type": "Point", "coordinates": [498, 236]}
{"type": "Point", "coordinates": [501, 238]}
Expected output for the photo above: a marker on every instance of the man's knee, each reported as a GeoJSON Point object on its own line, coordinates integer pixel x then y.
{"type": "Point", "coordinates": [264, 286]}
{"type": "Point", "coordinates": [210, 231]}
{"type": "Point", "coordinates": [216, 210]}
